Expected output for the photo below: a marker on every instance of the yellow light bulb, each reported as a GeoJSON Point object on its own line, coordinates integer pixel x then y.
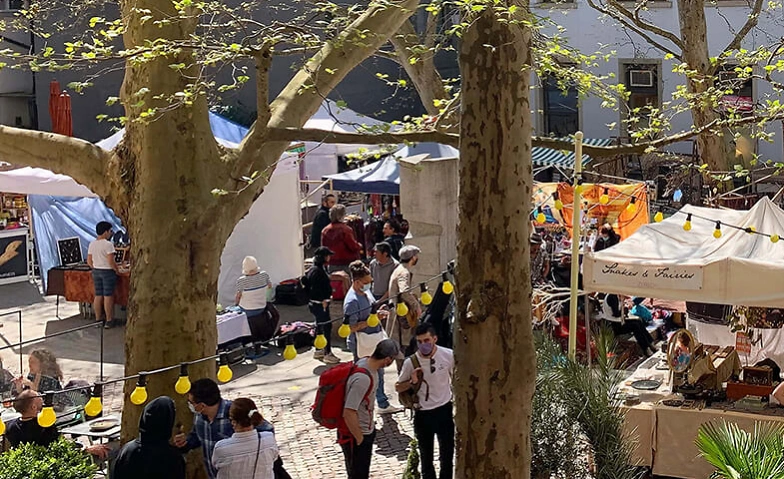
{"type": "Point", "coordinates": [631, 208]}
{"type": "Point", "coordinates": [447, 287]}
{"type": "Point", "coordinates": [578, 189]}
{"type": "Point", "coordinates": [774, 238]}
{"type": "Point", "coordinates": [183, 385]}
{"type": "Point", "coordinates": [344, 330]}
{"type": "Point", "coordinates": [401, 309]}
{"type": "Point", "coordinates": [225, 373]}
{"type": "Point", "coordinates": [93, 406]}
{"type": "Point", "coordinates": [558, 205]}
{"type": "Point", "coordinates": [426, 298]}
{"type": "Point", "coordinates": [540, 217]}
{"type": "Point", "coordinates": [658, 217]}
{"type": "Point", "coordinates": [320, 342]}
{"type": "Point", "coordinates": [373, 320]}
{"type": "Point", "coordinates": [752, 229]}
{"type": "Point", "coordinates": [2, 428]}
{"type": "Point", "coordinates": [139, 395]}
{"type": "Point", "coordinates": [717, 233]}
{"type": "Point", "coordinates": [291, 352]}
{"type": "Point", "coordinates": [604, 199]}
{"type": "Point", "coordinates": [687, 226]}
{"type": "Point", "coordinates": [47, 417]}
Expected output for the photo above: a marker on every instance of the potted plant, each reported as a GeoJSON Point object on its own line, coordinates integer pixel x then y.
{"type": "Point", "coordinates": [737, 454]}
{"type": "Point", "coordinates": [60, 460]}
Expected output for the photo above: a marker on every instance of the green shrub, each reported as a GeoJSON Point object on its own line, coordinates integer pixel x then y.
{"type": "Point", "coordinates": [412, 465]}
{"type": "Point", "coordinates": [60, 460]}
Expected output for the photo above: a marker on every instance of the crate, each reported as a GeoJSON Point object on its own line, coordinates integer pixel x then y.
{"type": "Point", "coordinates": [737, 391]}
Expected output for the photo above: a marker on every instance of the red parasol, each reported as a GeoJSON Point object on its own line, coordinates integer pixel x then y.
{"type": "Point", "coordinates": [54, 98]}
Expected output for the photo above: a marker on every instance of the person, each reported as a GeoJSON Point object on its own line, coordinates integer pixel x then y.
{"type": "Point", "coordinates": [607, 238]}
{"type": "Point", "coordinates": [540, 263]}
{"type": "Point", "coordinates": [682, 345]}
{"type": "Point", "coordinates": [393, 236]}
{"type": "Point", "coordinates": [100, 257]}
{"type": "Point", "coordinates": [26, 429]}
{"type": "Point", "coordinates": [44, 374]}
{"type": "Point", "coordinates": [357, 307]}
{"type": "Point", "coordinates": [434, 416]}
{"type": "Point", "coordinates": [399, 328]}
{"type": "Point", "coordinates": [321, 220]}
{"type": "Point", "coordinates": [150, 455]}
{"type": "Point", "coordinates": [252, 289]}
{"type": "Point", "coordinates": [248, 453]}
{"type": "Point", "coordinates": [358, 409]}
{"type": "Point", "coordinates": [319, 288]}
{"type": "Point", "coordinates": [381, 269]}
{"type": "Point", "coordinates": [211, 423]}
{"type": "Point", "coordinates": [339, 237]}
{"type": "Point", "coordinates": [611, 312]}
{"type": "Point", "coordinates": [639, 310]}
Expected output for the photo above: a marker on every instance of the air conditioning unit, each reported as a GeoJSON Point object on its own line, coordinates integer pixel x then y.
{"type": "Point", "coordinates": [641, 78]}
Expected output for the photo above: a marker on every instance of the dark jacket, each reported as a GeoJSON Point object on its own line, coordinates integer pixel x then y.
{"type": "Point", "coordinates": [150, 456]}
{"type": "Point", "coordinates": [339, 237]}
{"type": "Point", "coordinates": [395, 242]}
{"type": "Point", "coordinates": [320, 221]}
{"type": "Point", "coordinates": [19, 432]}
{"type": "Point", "coordinates": [316, 282]}
{"type": "Point", "coordinates": [602, 243]}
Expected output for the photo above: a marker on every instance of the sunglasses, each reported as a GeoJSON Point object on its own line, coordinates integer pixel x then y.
{"type": "Point", "coordinates": [432, 366]}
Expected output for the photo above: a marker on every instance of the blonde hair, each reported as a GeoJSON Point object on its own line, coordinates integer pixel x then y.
{"type": "Point", "coordinates": [249, 265]}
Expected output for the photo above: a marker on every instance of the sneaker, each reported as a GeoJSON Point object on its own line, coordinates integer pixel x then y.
{"type": "Point", "coordinates": [319, 354]}
{"type": "Point", "coordinates": [389, 409]}
{"type": "Point", "coordinates": [331, 359]}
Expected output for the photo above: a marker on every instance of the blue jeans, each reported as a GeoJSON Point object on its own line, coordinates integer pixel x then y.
{"type": "Point", "coordinates": [381, 397]}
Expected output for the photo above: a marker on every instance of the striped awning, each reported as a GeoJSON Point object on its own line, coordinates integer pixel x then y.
{"type": "Point", "coordinates": [564, 159]}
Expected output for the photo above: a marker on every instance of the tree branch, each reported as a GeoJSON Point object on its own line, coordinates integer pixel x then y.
{"type": "Point", "coordinates": [422, 72]}
{"type": "Point", "coordinates": [79, 159]}
{"type": "Point", "coordinates": [619, 13]}
{"type": "Point", "coordinates": [747, 27]}
{"type": "Point", "coordinates": [452, 139]}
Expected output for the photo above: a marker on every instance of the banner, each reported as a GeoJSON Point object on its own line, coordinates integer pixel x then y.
{"type": "Point", "coordinates": [609, 273]}
{"type": "Point", "coordinates": [13, 256]}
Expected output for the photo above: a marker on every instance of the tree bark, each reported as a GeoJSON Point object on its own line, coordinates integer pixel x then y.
{"type": "Point", "coordinates": [494, 350]}
{"type": "Point", "coordinates": [694, 35]}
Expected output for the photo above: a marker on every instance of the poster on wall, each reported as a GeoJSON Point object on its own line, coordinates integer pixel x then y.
{"type": "Point", "coordinates": [611, 273]}
{"type": "Point", "coordinates": [13, 257]}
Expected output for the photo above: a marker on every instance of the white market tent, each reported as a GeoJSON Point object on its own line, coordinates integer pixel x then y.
{"type": "Point", "coordinates": [280, 254]}
{"type": "Point", "coordinates": [663, 261]}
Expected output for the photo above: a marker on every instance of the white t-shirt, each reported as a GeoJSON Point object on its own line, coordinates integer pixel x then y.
{"type": "Point", "coordinates": [254, 290]}
{"type": "Point", "coordinates": [100, 250]}
{"type": "Point", "coordinates": [439, 381]}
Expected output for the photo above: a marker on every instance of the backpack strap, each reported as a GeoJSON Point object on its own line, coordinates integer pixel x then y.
{"type": "Point", "coordinates": [417, 365]}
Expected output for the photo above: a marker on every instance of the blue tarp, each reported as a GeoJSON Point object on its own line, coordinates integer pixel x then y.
{"type": "Point", "coordinates": [60, 217]}
{"type": "Point", "coordinates": [381, 177]}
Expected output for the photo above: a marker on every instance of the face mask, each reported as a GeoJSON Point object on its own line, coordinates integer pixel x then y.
{"type": "Point", "coordinates": [192, 408]}
{"type": "Point", "coordinates": [366, 288]}
{"type": "Point", "coordinates": [425, 348]}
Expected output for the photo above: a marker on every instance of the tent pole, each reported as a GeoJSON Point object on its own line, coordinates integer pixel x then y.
{"type": "Point", "coordinates": [578, 169]}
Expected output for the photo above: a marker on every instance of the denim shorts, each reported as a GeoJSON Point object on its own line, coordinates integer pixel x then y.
{"type": "Point", "coordinates": [104, 281]}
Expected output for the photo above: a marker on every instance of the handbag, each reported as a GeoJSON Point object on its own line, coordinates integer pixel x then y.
{"type": "Point", "coordinates": [366, 342]}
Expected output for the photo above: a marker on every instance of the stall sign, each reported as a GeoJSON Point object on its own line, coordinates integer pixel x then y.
{"type": "Point", "coordinates": [13, 256]}
{"type": "Point", "coordinates": [613, 273]}
{"type": "Point", "coordinates": [742, 343]}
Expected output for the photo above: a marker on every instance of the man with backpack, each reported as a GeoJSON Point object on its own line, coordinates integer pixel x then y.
{"type": "Point", "coordinates": [345, 401]}
{"type": "Point", "coordinates": [425, 385]}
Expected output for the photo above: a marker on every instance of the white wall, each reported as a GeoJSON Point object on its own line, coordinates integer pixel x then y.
{"type": "Point", "coordinates": [272, 232]}
{"type": "Point", "coordinates": [588, 31]}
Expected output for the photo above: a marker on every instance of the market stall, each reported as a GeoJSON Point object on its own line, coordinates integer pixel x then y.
{"type": "Point", "coordinates": [707, 256]}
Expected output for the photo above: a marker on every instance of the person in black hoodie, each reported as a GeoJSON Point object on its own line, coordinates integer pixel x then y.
{"type": "Point", "coordinates": [319, 288]}
{"type": "Point", "coordinates": [321, 220]}
{"type": "Point", "coordinates": [151, 456]}
{"type": "Point", "coordinates": [393, 236]}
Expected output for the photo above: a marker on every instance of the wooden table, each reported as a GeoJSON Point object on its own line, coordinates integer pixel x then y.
{"type": "Point", "coordinates": [76, 284]}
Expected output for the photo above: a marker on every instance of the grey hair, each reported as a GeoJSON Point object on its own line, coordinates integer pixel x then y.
{"type": "Point", "coordinates": [337, 213]}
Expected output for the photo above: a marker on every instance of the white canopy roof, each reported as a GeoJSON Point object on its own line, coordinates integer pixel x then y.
{"type": "Point", "coordinates": [37, 181]}
{"type": "Point", "coordinates": [662, 260]}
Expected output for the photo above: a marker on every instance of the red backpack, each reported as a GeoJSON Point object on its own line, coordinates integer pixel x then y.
{"type": "Point", "coordinates": [327, 410]}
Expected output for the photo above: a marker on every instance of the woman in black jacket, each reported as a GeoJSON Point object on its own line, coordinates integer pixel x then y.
{"type": "Point", "coordinates": [151, 456]}
{"type": "Point", "coordinates": [319, 288]}
{"type": "Point", "coordinates": [607, 238]}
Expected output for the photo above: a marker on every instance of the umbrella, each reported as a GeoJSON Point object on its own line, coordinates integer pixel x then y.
{"type": "Point", "coordinates": [54, 98]}
{"type": "Point", "coordinates": [60, 110]}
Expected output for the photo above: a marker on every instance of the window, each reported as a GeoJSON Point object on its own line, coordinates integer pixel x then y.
{"type": "Point", "coordinates": [560, 109]}
{"type": "Point", "coordinates": [739, 95]}
{"type": "Point", "coordinates": [11, 4]}
{"type": "Point", "coordinates": [642, 82]}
